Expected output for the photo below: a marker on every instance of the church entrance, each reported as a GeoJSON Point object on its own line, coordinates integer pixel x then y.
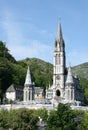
{"type": "Point", "coordinates": [58, 93]}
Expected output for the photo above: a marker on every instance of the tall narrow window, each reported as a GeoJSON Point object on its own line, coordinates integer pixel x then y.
{"type": "Point", "coordinates": [71, 94]}
{"type": "Point", "coordinates": [68, 94]}
{"type": "Point", "coordinates": [26, 95]}
{"type": "Point", "coordinates": [59, 59]}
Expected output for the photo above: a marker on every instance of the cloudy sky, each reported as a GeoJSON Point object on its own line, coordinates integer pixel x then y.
{"type": "Point", "coordinates": [29, 28]}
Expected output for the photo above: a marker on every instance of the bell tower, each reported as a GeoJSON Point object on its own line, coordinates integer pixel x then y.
{"type": "Point", "coordinates": [59, 64]}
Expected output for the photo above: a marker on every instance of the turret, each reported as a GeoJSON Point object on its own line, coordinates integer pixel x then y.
{"type": "Point", "coordinates": [70, 88]}
{"type": "Point", "coordinates": [28, 87]}
{"type": "Point", "coordinates": [28, 78]}
{"type": "Point", "coordinates": [69, 79]}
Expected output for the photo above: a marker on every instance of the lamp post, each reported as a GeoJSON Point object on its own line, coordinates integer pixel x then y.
{"type": "Point", "coordinates": [41, 124]}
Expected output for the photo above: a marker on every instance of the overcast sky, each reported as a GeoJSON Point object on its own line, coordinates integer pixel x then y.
{"type": "Point", "coordinates": [29, 28]}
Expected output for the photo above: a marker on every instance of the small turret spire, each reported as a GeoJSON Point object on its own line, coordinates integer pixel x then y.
{"type": "Point", "coordinates": [28, 77]}
{"type": "Point", "coordinates": [69, 76]}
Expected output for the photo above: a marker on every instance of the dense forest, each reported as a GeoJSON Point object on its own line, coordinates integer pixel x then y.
{"type": "Point", "coordinates": [12, 71]}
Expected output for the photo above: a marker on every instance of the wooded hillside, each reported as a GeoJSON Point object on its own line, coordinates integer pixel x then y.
{"type": "Point", "coordinates": [12, 71]}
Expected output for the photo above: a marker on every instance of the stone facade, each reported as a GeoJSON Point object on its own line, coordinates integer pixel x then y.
{"type": "Point", "coordinates": [14, 92]}
{"type": "Point", "coordinates": [66, 87]}
{"type": "Point", "coordinates": [30, 92]}
{"type": "Point", "coordinates": [28, 88]}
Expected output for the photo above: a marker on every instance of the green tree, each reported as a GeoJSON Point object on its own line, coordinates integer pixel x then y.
{"type": "Point", "coordinates": [62, 119]}
{"type": "Point", "coordinates": [22, 119]}
{"type": "Point", "coordinates": [4, 119]}
{"type": "Point", "coordinates": [6, 60]}
{"type": "Point", "coordinates": [43, 113]}
{"type": "Point", "coordinates": [84, 122]}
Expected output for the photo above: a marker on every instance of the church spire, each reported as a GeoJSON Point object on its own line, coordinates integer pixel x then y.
{"type": "Point", "coordinates": [59, 33]}
{"type": "Point", "coordinates": [69, 76]}
{"type": "Point", "coordinates": [28, 77]}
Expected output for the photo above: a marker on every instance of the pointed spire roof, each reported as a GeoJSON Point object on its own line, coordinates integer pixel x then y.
{"type": "Point", "coordinates": [69, 76]}
{"type": "Point", "coordinates": [59, 33]}
{"type": "Point", "coordinates": [28, 77]}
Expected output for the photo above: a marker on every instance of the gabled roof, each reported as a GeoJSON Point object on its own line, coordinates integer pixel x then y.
{"type": "Point", "coordinates": [13, 88]}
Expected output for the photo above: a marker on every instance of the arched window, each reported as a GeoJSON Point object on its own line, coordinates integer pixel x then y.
{"type": "Point", "coordinates": [58, 93]}
{"type": "Point", "coordinates": [68, 94]}
{"type": "Point", "coordinates": [71, 94]}
{"type": "Point", "coordinates": [26, 95]}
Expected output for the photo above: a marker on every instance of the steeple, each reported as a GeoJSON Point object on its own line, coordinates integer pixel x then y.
{"type": "Point", "coordinates": [59, 63]}
{"type": "Point", "coordinates": [28, 77]}
{"type": "Point", "coordinates": [59, 42]}
{"type": "Point", "coordinates": [59, 33]}
{"type": "Point", "coordinates": [69, 76]}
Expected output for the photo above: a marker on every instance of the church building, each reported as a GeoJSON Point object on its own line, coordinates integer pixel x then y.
{"type": "Point", "coordinates": [66, 87]}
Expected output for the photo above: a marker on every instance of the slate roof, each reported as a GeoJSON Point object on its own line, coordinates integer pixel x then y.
{"type": "Point", "coordinates": [38, 90]}
{"type": "Point", "coordinates": [13, 88]}
{"type": "Point", "coordinates": [28, 77]}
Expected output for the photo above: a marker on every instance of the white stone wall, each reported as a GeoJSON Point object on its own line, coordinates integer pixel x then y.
{"type": "Point", "coordinates": [11, 95]}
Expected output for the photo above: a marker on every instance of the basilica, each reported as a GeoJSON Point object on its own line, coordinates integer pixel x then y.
{"type": "Point", "coordinates": [66, 87]}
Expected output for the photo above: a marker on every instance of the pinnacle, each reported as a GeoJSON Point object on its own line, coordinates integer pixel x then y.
{"type": "Point", "coordinates": [28, 77]}
{"type": "Point", "coordinates": [69, 76]}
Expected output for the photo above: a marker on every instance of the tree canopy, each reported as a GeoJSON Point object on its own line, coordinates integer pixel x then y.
{"type": "Point", "coordinates": [21, 119]}
{"type": "Point", "coordinates": [63, 118]}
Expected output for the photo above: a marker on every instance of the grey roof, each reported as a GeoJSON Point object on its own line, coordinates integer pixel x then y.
{"type": "Point", "coordinates": [13, 88]}
{"type": "Point", "coordinates": [38, 89]}
{"type": "Point", "coordinates": [28, 77]}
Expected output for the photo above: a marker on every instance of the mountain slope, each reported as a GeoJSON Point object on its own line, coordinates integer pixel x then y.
{"type": "Point", "coordinates": [41, 71]}
{"type": "Point", "coordinates": [81, 70]}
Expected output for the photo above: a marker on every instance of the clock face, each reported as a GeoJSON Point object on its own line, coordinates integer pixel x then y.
{"type": "Point", "coordinates": [58, 77]}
